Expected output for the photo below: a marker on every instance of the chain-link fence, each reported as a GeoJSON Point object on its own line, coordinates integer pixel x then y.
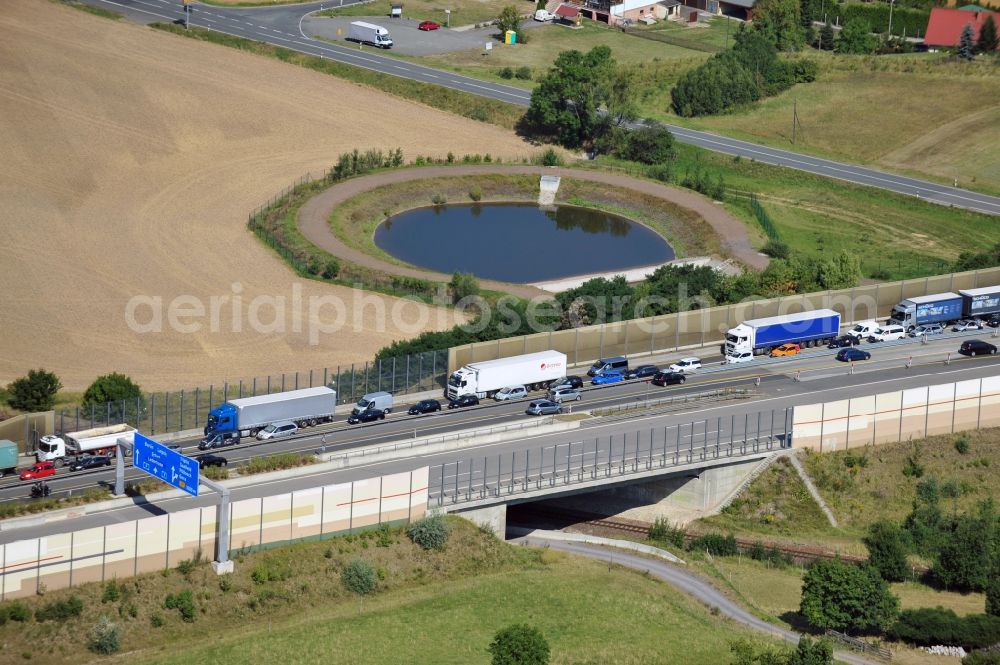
{"type": "Point", "coordinates": [188, 409]}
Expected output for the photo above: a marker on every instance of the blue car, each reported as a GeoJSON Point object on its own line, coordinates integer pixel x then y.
{"type": "Point", "coordinates": [850, 354]}
{"type": "Point", "coordinates": [607, 376]}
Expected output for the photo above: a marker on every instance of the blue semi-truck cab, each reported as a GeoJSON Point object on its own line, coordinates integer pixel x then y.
{"type": "Point", "coordinates": [223, 420]}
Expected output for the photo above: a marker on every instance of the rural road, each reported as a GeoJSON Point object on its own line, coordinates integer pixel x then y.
{"type": "Point", "coordinates": [282, 26]}
{"type": "Point", "coordinates": [314, 216]}
{"type": "Point", "coordinates": [686, 582]}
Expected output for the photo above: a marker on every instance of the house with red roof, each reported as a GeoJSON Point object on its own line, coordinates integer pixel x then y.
{"type": "Point", "coordinates": [945, 26]}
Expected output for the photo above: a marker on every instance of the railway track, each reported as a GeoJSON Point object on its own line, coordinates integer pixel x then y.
{"type": "Point", "coordinates": [800, 554]}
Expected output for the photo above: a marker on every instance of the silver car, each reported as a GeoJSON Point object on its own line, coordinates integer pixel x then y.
{"type": "Point", "coordinates": [927, 329]}
{"type": "Point", "coordinates": [511, 393]}
{"type": "Point", "coordinates": [542, 407]}
{"type": "Point", "coordinates": [968, 324]}
{"type": "Point", "coordinates": [564, 394]}
{"type": "Point", "coordinates": [278, 430]}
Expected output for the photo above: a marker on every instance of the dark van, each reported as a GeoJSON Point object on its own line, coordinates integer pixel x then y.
{"type": "Point", "coordinates": [976, 347]}
{"type": "Point", "coordinates": [603, 364]}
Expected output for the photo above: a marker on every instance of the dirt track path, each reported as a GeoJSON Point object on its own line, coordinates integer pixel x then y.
{"type": "Point", "coordinates": [314, 215]}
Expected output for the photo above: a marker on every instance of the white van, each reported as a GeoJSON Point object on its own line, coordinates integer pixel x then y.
{"type": "Point", "coordinates": [544, 16]}
{"type": "Point", "coordinates": [887, 334]}
{"type": "Point", "coordinates": [381, 401]}
{"type": "Point", "coordinates": [863, 330]}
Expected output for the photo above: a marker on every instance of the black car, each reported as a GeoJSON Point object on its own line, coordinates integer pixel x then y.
{"type": "Point", "coordinates": [844, 341]}
{"type": "Point", "coordinates": [667, 378]}
{"type": "Point", "coordinates": [425, 406]}
{"type": "Point", "coordinates": [463, 400]}
{"type": "Point", "coordinates": [977, 347]}
{"type": "Point", "coordinates": [850, 354]}
{"type": "Point", "coordinates": [211, 460]}
{"type": "Point", "coordinates": [366, 416]}
{"type": "Point", "coordinates": [90, 462]}
{"type": "Point", "coordinates": [574, 382]}
{"type": "Point", "coordinates": [642, 371]}
{"type": "Point", "coordinates": [993, 321]}
{"type": "Point", "coordinates": [217, 441]}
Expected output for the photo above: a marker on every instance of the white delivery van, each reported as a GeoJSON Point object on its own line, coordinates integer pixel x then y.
{"type": "Point", "coordinates": [381, 401]}
{"type": "Point", "coordinates": [369, 33]}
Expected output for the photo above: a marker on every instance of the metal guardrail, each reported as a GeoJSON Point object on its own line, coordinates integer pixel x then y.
{"type": "Point", "coordinates": [859, 645]}
{"type": "Point", "coordinates": [679, 400]}
{"type": "Point", "coordinates": [530, 470]}
{"type": "Point", "coordinates": [417, 442]}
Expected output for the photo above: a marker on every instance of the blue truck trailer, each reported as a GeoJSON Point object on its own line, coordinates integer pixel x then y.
{"type": "Point", "coordinates": [980, 303]}
{"type": "Point", "coordinates": [760, 336]}
{"type": "Point", "coordinates": [941, 308]}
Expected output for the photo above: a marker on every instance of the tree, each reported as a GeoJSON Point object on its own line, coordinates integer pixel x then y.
{"type": "Point", "coordinates": [887, 551]}
{"type": "Point", "coordinates": [649, 145]}
{"type": "Point", "coordinates": [827, 37]}
{"type": "Point", "coordinates": [988, 38]}
{"type": "Point", "coordinates": [567, 103]}
{"type": "Point", "coordinates": [966, 47]}
{"type": "Point", "coordinates": [965, 558]}
{"type": "Point", "coordinates": [841, 596]}
{"type": "Point", "coordinates": [781, 22]}
{"type": "Point", "coordinates": [993, 591]}
{"type": "Point", "coordinates": [463, 285]}
{"type": "Point", "coordinates": [34, 392]}
{"type": "Point", "coordinates": [104, 636]}
{"type": "Point", "coordinates": [856, 37]}
{"type": "Point", "coordinates": [359, 577]}
{"type": "Point", "coordinates": [925, 523]}
{"type": "Point", "coordinates": [510, 19]}
{"type": "Point", "coordinates": [519, 644]}
{"type": "Point", "coordinates": [115, 396]}
{"type": "Point", "coordinates": [812, 652]}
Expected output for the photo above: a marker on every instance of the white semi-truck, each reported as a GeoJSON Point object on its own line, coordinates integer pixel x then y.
{"type": "Point", "coordinates": [532, 370]}
{"type": "Point", "coordinates": [761, 336]}
{"type": "Point", "coordinates": [369, 33]}
{"type": "Point", "coordinates": [96, 441]}
{"type": "Point", "coordinates": [248, 415]}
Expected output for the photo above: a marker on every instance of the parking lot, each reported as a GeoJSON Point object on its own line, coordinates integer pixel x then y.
{"type": "Point", "coordinates": [406, 38]}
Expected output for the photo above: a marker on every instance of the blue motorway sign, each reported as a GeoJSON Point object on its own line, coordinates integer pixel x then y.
{"type": "Point", "coordinates": [165, 464]}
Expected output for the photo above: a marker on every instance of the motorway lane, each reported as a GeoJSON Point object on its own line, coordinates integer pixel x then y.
{"type": "Point", "coordinates": [815, 369]}
{"type": "Point", "coordinates": [282, 26]}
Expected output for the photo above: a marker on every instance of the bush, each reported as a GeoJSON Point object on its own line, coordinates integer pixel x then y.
{"type": "Point", "coordinates": [183, 602]}
{"type": "Point", "coordinates": [519, 644]}
{"type": "Point", "coordinates": [331, 268]}
{"type": "Point", "coordinates": [156, 620]}
{"type": "Point", "coordinates": [550, 158]}
{"type": "Point", "coordinates": [430, 533]}
{"type": "Point", "coordinates": [439, 199]}
{"type": "Point", "coordinates": [34, 392]}
{"type": "Point", "coordinates": [662, 531]}
{"type": "Point", "coordinates": [930, 626]}
{"type": "Point", "coordinates": [982, 658]}
{"type": "Point", "coordinates": [887, 550]}
{"type": "Point", "coordinates": [842, 596]}
{"type": "Point", "coordinates": [661, 172]}
{"type": "Point", "coordinates": [104, 637]}
{"type": "Point", "coordinates": [112, 592]}
{"type": "Point", "coordinates": [715, 544]}
{"type": "Point", "coordinates": [506, 73]}
{"type": "Point", "coordinates": [776, 249]}
{"type": "Point", "coordinates": [962, 444]}
{"type": "Point", "coordinates": [60, 610]}
{"type": "Point", "coordinates": [463, 285]}
{"type": "Point", "coordinates": [359, 577]}
{"type": "Point", "coordinates": [648, 144]}
{"type": "Point", "coordinates": [383, 536]}
{"type": "Point", "coordinates": [271, 569]}
{"type": "Point", "coordinates": [523, 73]}
{"type": "Point", "coordinates": [17, 611]}
{"type": "Point", "coordinates": [476, 193]}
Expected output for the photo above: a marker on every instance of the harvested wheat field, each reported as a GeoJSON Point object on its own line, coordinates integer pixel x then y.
{"type": "Point", "coordinates": [131, 160]}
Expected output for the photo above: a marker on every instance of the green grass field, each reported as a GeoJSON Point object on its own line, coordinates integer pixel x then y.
{"type": "Point", "coordinates": [430, 607]}
{"type": "Point", "coordinates": [463, 12]}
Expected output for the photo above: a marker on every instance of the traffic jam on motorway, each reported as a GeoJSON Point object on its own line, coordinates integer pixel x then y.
{"type": "Point", "coordinates": [282, 415]}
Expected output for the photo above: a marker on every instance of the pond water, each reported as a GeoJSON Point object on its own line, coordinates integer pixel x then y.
{"type": "Point", "coordinates": [520, 242]}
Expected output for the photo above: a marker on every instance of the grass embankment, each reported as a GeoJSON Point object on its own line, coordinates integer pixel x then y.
{"type": "Point", "coordinates": [463, 12]}
{"type": "Point", "coordinates": [464, 104]}
{"type": "Point", "coordinates": [96, 11]}
{"type": "Point", "coordinates": [430, 607]}
{"type": "Point", "coordinates": [354, 222]}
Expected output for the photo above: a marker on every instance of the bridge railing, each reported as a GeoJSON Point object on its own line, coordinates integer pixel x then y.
{"type": "Point", "coordinates": [614, 456]}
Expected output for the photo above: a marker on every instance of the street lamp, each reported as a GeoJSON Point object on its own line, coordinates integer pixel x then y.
{"type": "Point", "coordinates": [447, 18]}
{"type": "Point", "coordinates": [891, 3]}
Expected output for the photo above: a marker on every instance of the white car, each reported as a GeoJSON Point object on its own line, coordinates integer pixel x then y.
{"type": "Point", "coordinates": [278, 430]}
{"type": "Point", "coordinates": [686, 365]}
{"type": "Point", "coordinates": [544, 16]}
{"type": "Point", "coordinates": [968, 324]}
{"type": "Point", "coordinates": [863, 329]}
{"type": "Point", "coordinates": [511, 393]}
{"type": "Point", "coordinates": [887, 334]}
{"type": "Point", "coordinates": [744, 357]}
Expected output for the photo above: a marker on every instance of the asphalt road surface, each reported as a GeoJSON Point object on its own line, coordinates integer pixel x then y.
{"type": "Point", "coordinates": [282, 26]}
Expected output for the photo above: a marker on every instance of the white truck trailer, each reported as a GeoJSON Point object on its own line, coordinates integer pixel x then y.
{"type": "Point", "coordinates": [96, 441]}
{"type": "Point", "coordinates": [369, 33]}
{"type": "Point", "coordinates": [249, 415]}
{"type": "Point", "coordinates": [532, 370]}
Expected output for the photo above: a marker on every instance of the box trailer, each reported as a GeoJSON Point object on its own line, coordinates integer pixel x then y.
{"type": "Point", "coordinates": [96, 441]}
{"type": "Point", "coordinates": [760, 336]}
{"type": "Point", "coordinates": [248, 415]}
{"type": "Point", "coordinates": [941, 308]}
{"type": "Point", "coordinates": [532, 370]}
{"type": "Point", "coordinates": [8, 458]}
{"type": "Point", "coordinates": [980, 303]}
{"type": "Point", "coordinates": [369, 33]}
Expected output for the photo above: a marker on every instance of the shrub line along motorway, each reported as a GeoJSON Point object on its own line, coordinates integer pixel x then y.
{"type": "Point", "coordinates": [281, 26]}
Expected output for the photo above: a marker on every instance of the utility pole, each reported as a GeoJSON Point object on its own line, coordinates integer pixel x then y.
{"type": "Point", "coordinates": [891, 3]}
{"type": "Point", "coordinates": [795, 118]}
{"type": "Point", "coordinates": [187, 13]}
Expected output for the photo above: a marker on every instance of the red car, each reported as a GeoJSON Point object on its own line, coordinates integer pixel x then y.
{"type": "Point", "coordinates": [428, 25]}
{"type": "Point", "coordinates": [40, 470]}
